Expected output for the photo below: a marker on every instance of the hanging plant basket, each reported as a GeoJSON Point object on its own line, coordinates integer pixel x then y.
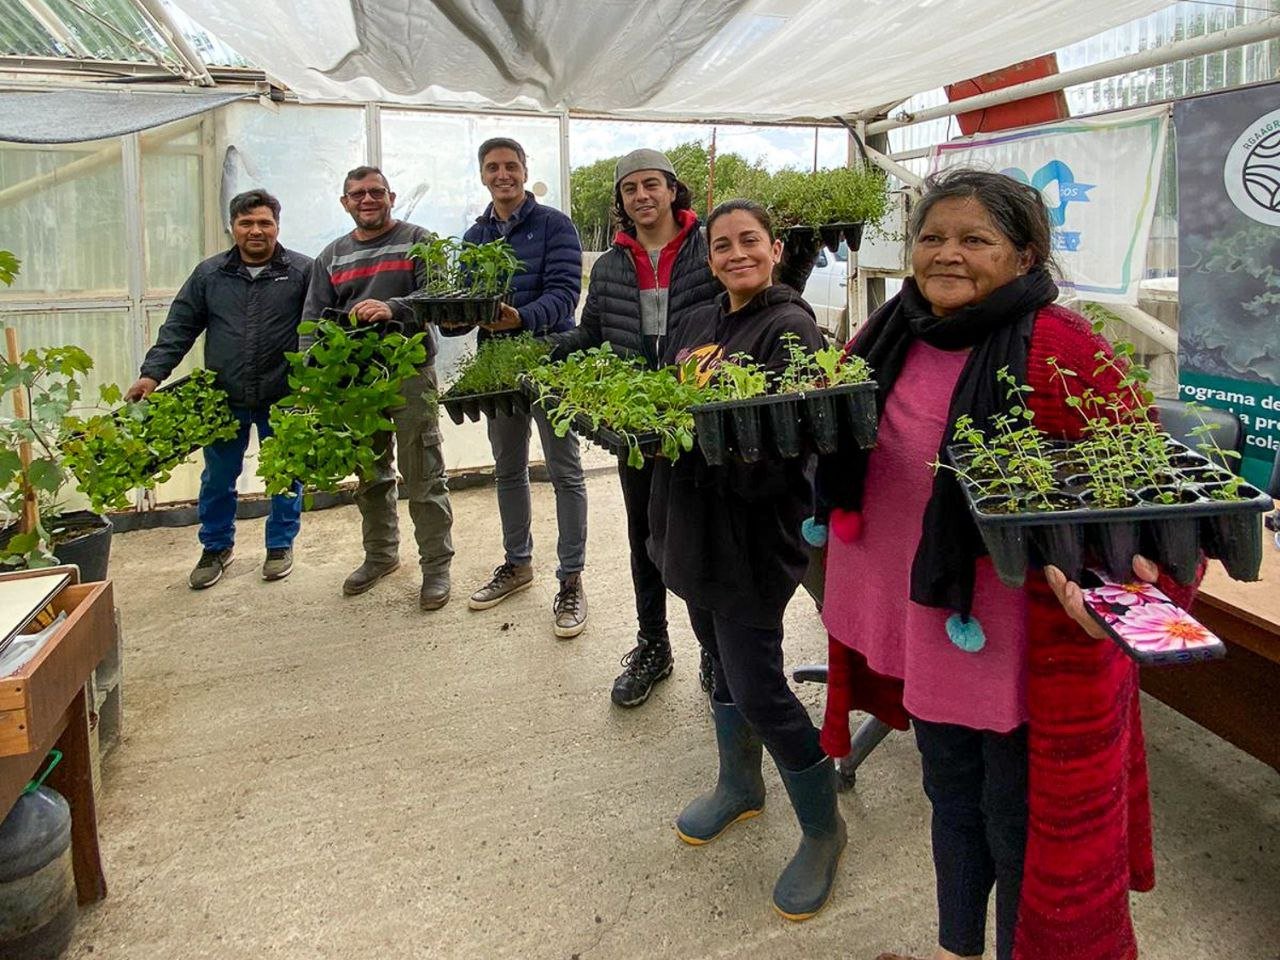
{"type": "Point", "coordinates": [781, 426]}
{"type": "Point", "coordinates": [1071, 531]}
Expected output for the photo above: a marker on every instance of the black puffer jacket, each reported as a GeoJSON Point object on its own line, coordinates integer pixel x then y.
{"type": "Point", "coordinates": [249, 324]}
{"type": "Point", "coordinates": [612, 311]}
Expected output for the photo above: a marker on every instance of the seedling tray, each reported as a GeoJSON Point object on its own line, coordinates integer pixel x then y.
{"type": "Point", "coordinates": [831, 234]}
{"type": "Point", "coordinates": [650, 444]}
{"type": "Point", "coordinates": [471, 406]}
{"type": "Point", "coordinates": [1172, 534]}
{"type": "Point", "coordinates": [781, 426]}
{"type": "Point", "coordinates": [459, 311]}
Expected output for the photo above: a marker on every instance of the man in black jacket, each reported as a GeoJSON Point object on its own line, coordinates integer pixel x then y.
{"type": "Point", "coordinates": [640, 290]}
{"type": "Point", "coordinates": [248, 304]}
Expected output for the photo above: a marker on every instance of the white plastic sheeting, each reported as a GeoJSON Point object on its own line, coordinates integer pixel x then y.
{"type": "Point", "coordinates": [724, 59]}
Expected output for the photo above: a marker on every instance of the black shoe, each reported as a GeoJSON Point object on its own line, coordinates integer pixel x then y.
{"type": "Point", "coordinates": [706, 672]}
{"type": "Point", "coordinates": [647, 663]}
{"type": "Point", "coordinates": [208, 570]}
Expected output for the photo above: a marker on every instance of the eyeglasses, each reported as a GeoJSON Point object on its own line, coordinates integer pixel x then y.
{"type": "Point", "coordinates": [373, 193]}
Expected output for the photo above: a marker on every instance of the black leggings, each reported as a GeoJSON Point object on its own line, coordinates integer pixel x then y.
{"type": "Point", "coordinates": [748, 673]}
{"type": "Point", "coordinates": [977, 783]}
{"type": "Point", "coordinates": [646, 579]}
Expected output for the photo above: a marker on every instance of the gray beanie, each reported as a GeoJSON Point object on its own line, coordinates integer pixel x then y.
{"type": "Point", "coordinates": [642, 159]}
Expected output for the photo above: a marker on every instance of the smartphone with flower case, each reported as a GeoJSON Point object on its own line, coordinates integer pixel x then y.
{"type": "Point", "coordinates": [1147, 625]}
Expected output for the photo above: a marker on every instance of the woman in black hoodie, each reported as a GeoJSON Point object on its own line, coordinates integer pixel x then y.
{"type": "Point", "coordinates": [727, 540]}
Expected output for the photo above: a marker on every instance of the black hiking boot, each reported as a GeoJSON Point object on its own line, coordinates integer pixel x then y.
{"type": "Point", "coordinates": [647, 663]}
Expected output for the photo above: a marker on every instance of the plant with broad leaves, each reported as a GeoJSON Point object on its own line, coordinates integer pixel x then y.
{"type": "Point", "coordinates": [460, 269]}
{"type": "Point", "coordinates": [341, 389]}
{"type": "Point", "coordinates": [139, 446]}
{"type": "Point", "coordinates": [622, 395]}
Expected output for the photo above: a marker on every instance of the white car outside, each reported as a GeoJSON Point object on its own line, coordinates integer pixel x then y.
{"type": "Point", "coordinates": [827, 290]}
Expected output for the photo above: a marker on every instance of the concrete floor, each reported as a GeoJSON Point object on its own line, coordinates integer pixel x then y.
{"type": "Point", "coordinates": [309, 776]}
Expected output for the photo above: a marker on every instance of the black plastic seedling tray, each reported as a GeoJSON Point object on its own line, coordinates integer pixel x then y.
{"type": "Point", "coordinates": [785, 425]}
{"type": "Point", "coordinates": [831, 234]}
{"type": "Point", "coordinates": [1174, 534]}
{"type": "Point", "coordinates": [650, 444]}
{"type": "Point", "coordinates": [470, 406]}
{"type": "Point", "coordinates": [453, 311]}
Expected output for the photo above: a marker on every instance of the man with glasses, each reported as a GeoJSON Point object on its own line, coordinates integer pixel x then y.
{"type": "Point", "coordinates": [366, 272]}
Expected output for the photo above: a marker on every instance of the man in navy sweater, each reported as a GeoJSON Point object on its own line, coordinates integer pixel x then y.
{"type": "Point", "coordinates": [542, 301]}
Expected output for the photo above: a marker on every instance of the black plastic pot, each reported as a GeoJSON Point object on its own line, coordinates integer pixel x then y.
{"type": "Point", "coordinates": [856, 411]}
{"type": "Point", "coordinates": [748, 437]}
{"type": "Point", "coordinates": [783, 421]}
{"type": "Point", "coordinates": [708, 427]}
{"type": "Point", "coordinates": [1006, 544]}
{"type": "Point", "coordinates": [471, 406]}
{"type": "Point", "coordinates": [81, 537]}
{"type": "Point", "coordinates": [821, 419]}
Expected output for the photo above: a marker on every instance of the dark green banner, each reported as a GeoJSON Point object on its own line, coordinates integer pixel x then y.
{"type": "Point", "coordinates": [1229, 261]}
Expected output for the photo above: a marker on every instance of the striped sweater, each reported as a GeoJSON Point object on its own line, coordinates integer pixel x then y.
{"type": "Point", "coordinates": [350, 270]}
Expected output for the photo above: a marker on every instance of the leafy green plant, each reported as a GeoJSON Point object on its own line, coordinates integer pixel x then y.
{"type": "Point", "coordinates": [112, 454]}
{"type": "Point", "coordinates": [459, 269]}
{"type": "Point", "coordinates": [839, 195]}
{"type": "Point", "coordinates": [738, 378]}
{"type": "Point", "coordinates": [49, 378]}
{"type": "Point", "coordinates": [816, 370]}
{"type": "Point", "coordinates": [622, 395]}
{"type": "Point", "coordinates": [497, 364]}
{"type": "Point", "coordinates": [341, 388]}
{"type": "Point", "coordinates": [9, 265]}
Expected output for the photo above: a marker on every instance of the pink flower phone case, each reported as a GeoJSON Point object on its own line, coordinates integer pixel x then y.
{"type": "Point", "coordinates": [1147, 625]}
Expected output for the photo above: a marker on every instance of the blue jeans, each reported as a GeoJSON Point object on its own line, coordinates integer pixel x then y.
{"type": "Point", "coordinates": [223, 462]}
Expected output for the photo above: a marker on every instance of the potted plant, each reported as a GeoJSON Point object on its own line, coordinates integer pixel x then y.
{"type": "Point", "coordinates": [341, 388]}
{"type": "Point", "coordinates": [836, 203]}
{"type": "Point", "coordinates": [1124, 487]}
{"type": "Point", "coordinates": [465, 282]}
{"type": "Point", "coordinates": [488, 380]}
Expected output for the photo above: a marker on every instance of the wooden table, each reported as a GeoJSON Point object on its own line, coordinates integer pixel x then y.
{"type": "Point", "coordinates": [1238, 697]}
{"type": "Point", "coordinates": [58, 716]}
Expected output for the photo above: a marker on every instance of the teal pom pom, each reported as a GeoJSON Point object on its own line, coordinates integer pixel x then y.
{"type": "Point", "coordinates": [814, 533]}
{"type": "Point", "coordinates": [966, 634]}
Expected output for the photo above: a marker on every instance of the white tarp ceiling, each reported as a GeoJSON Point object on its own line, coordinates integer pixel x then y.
{"type": "Point", "coordinates": [748, 59]}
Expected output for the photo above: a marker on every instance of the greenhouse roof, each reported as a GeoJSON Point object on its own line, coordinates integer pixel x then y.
{"type": "Point", "coordinates": [667, 59]}
{"type": "Point", "coordinates": [82, 32]}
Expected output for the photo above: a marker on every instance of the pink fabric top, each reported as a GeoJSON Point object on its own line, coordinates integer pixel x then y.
{"type": "Point", "coordinates": [866, 604]}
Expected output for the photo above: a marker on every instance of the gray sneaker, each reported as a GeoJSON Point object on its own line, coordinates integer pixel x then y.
{"type": "Point", "coordinates": [279, 563]}
{"type": "Point", "coordinates": [363, 577]}
{"type": "Point", "coordinates": [570, 607]}
{"type": "Point", "coordinates": [507, 579]}
{"type": "Point", "coordinates": [208, 570]}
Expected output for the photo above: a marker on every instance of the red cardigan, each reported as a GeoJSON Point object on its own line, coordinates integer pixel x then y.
{"type": "Point", "coordinates": [1089, 812]}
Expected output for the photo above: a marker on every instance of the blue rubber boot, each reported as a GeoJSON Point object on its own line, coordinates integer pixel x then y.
{"type": "Point", "coordinates": [805, 884]}
{"type": "Point", "coordinates": [739, 791]}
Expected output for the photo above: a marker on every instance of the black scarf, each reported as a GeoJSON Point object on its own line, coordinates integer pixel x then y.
{"type": "Point", "coordinates": [997, 332]}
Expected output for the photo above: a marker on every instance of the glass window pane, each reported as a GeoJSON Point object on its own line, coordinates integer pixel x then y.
{"type": "Point", "coordinates": [62, 213]}
{"type": "Point", "coordinates": [103, 334]}
{"type": "Point", "coordinates": [172, 205]}
{"type": "Point", "coordinates": [298, 153]}
{"type": "Point", "coordinates": [430, 161]}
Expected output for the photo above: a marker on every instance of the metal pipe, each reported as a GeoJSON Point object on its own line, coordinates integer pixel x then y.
{"type": "Point", "coordinates": [890, 166]}
{"type": "Point", "coordinates": [1157, 56]}
{"type": "Point", "coordinates": [154, 10]}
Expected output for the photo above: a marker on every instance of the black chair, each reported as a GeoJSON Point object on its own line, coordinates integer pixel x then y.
{"type": "Point", "coordinates": [872, 730]}
{"type": "Point", "coordinates": [1179, 420]}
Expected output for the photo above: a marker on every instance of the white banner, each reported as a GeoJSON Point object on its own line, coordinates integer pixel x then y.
{"type": "Point", "coordinates": [1098, 178]}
